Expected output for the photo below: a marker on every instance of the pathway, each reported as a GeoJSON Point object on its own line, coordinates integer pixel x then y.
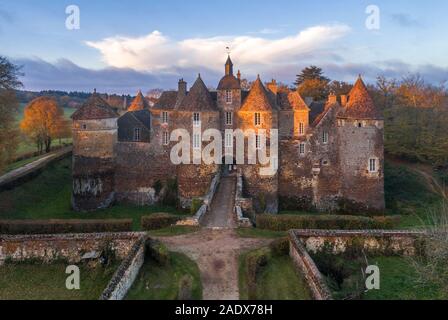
{"type": "Point", "coordinates": [217, 246]}
{"type": "Point", "coordinates": [30, 168]}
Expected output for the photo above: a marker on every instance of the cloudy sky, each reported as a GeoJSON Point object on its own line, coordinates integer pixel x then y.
{"type": "Point", "coordinates": [125, 46]}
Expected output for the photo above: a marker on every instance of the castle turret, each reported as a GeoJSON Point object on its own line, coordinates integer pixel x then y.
{"type": "Point", "coordinates": [361, 151]}
{"type": "Point", "coordinates": [94, 138]}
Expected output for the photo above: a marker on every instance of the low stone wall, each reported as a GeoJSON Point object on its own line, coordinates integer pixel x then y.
{"type": "Point", "coordinates": [208, 199]}
{"type": "Point", "coordinates": [306, 266]}
{"type": "Point", "coordinates": [21, 175]}
{"type": "Point", "coordinates": [373, 241]}
{"type": "Point", "coordinates": [241, 220]}
{"type": "Point", "coordinates": [126, 273]}
{"type": "Point", "coordinates": [69, 247]}
{"type": "Point", "coordinates": [382, 241]}
{"type": "Point", "coordinates": [242, 204]}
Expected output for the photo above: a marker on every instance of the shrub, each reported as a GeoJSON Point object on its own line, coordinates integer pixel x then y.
{"type": "Point", "coordinates": [64, 226]}
{"type": "Point", "coordinates": [334, 222]}
{"type": "Point", "coordinates": [170, 196]}
{"type": "Point", "coordinates": [158, 252]}
{"type": "Point", "coordinates": [185, 288]}
{"type": "Point", "coordinates": [254, 261]}
{"type": "Point", "coordinates": [280, 247]}
{"type": "Point", "coordinates": [158, 221]}
{"type": "Point", "coordinates": [196, 204]}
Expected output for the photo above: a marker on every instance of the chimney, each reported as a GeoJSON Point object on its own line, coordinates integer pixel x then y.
{"type": "Point", "coordinates": [332, 98]}
{"type": "Point", "coordinates": [182, 88]}
{"type": "Point", "coordinates": [273, 86]}
{"type": "Point", "coordinates": [238, 75]}
{"type": "Point", "coordinates": [344, 100]}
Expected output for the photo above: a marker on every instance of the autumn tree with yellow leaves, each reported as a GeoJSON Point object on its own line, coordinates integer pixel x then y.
{"type": "Point", "coordinates": [43, 122]}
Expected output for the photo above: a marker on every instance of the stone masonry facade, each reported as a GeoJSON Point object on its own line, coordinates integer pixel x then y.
{"type": "Point", "coordinates": [330, 153]}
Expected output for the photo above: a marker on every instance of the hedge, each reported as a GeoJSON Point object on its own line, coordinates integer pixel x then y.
{"type": "Point", "coordinates": [158, 252]}
{"type": "Point", "coordinates": [159, 221]}
{"type": "Point", "coordinates": [332, 222]}
{"type": "Point", "coordinates": [255, 260]}
{"type": "Point", "coordinates": [14, 227]}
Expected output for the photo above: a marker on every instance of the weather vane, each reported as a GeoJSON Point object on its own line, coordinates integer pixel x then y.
{"type": "Point", "coordinates": [228, 50]}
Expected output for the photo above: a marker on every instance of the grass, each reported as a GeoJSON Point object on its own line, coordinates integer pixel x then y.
{"type": "Point", "coordinates": [398, 278]}
{"type": "Point", "coordinates": [48, 196]}
{"type": "Point", "coordinates": [156, 282]}
{"type": "Point", "coordinates": [278, 280]}
{"type": "Point", "coordinates": [260, 233]}
{"type": "Point", "coordinates": [47, 282]}
{"type": "Point", "coordinates": [173, 231]}
{"type": "Point", "coordinates": [399, 282]}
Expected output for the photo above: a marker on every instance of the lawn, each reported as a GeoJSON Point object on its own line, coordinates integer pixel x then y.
{"type": "Point", "coordinates": [47, 282]}
{"type": "Point", "coordinates": [260, 233]}
{"type": "Point", "coordinates": [277, 280]}
{"type": "Point", "coordinates": [398, 278]}
{"type": "Point", "coordinates": [48, 196]}
{"type": "Point", "coordinates": [156, 282]}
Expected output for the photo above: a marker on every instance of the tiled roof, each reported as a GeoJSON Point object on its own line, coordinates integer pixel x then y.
{"type": "Point", "coordinates": [167, 101]}
{"type": "Point", "coordinates": [317, 108]}
{"type": "Point", "coordinates": [93, 109]}
{"type": "Point", "coordinates": [360, 104]}
{"type": "Point", "coordinates": [198, 99]}
{"type": "Point", "coordinates": [139, 103]}
{"type": "Point", "coordinates": [291, 101]}
{"type": "Point", "coordinates": [258, 98]}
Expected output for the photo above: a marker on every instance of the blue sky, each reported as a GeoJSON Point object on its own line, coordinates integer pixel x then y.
{"type": "Point", "coordinates": [124, 46]}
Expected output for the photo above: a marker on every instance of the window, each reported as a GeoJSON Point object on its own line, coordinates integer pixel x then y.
{"type": "Point", "coordinates": [228, 96]}
{"type": "Point", "coordinates": [196, 141]}
{"type": "Point", "coordinates": [257, 119]}
{"type": "Point", "coordinates": [136, 134]}
{"type": "Point", "coordinates": [164, 117]}
{"type": "Point", "coordinates": [302, 149]}
{"type": "Point", "coordinates": [229, 118]}
{"type": "Point", "coordinates": [196, 119]}
{"type": "Point", "coordinates": [373, 166]}
{"type": "Point", "coordinates": [359, 124]}
{"type": "Point", "coordinates": [165, 138]}
{"type": "Point", "coordinates": [84, 127]}
{"type": "Point", "coordinates": [257, 142]}
{"type": "Point", "coordinates": [325, 137]}
{"type": "Point", "coordinates": [301, 128]}
{"type": "Point", "coordinates": [229, 140]}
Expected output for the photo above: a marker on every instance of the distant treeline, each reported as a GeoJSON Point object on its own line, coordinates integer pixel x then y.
{"type": "Point", "coordinates": [72, 99]}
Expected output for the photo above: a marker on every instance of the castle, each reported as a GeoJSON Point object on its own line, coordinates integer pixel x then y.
{"type": "Point", "coordinates": [330, 154]}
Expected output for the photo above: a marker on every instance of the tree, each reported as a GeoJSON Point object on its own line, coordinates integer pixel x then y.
{"type": "Point", "coordinates": [311, 82]}
{"type": "Point", "coordinates": [9, 81]}
{"type": "Point", "coordinates": [310, 73]}
{"type": "Point", "coordinates": [43, 122]}
{"type": "Point", "coordinates": [339, 87]}
{"type": "Point", "coordinates": [315, 88]}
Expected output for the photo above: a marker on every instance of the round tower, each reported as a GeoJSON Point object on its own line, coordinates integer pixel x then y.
{"type": "Point", "coordinates": [94, 138]}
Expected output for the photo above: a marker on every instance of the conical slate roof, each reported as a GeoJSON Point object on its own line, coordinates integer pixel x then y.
{"type": "Point", "coordinates": [257, 99]}
{"type": "Point", "coordinates": [94, 108]}
{"type": "Point", "coordinates": [360, 104]}
{"type": "Point", "coordinates": [198, 98]}
{"type": "Point", "coordinates": [139, 103]}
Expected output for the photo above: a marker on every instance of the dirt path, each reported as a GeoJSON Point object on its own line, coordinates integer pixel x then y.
{"type": "Point", "coordinates": [216, 252]}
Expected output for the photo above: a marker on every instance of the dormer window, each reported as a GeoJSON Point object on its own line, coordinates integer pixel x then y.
{"type": "Point", "coordinates": [196, 119]}
{"type": "Point", "coordinates": [229, 96]}
{"type": "Point", "coordinates": [136, 134]}
{"type": "Point", "coordinates": [257, 119]}
{"type": "Point", "coordinates": [165, 117]}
